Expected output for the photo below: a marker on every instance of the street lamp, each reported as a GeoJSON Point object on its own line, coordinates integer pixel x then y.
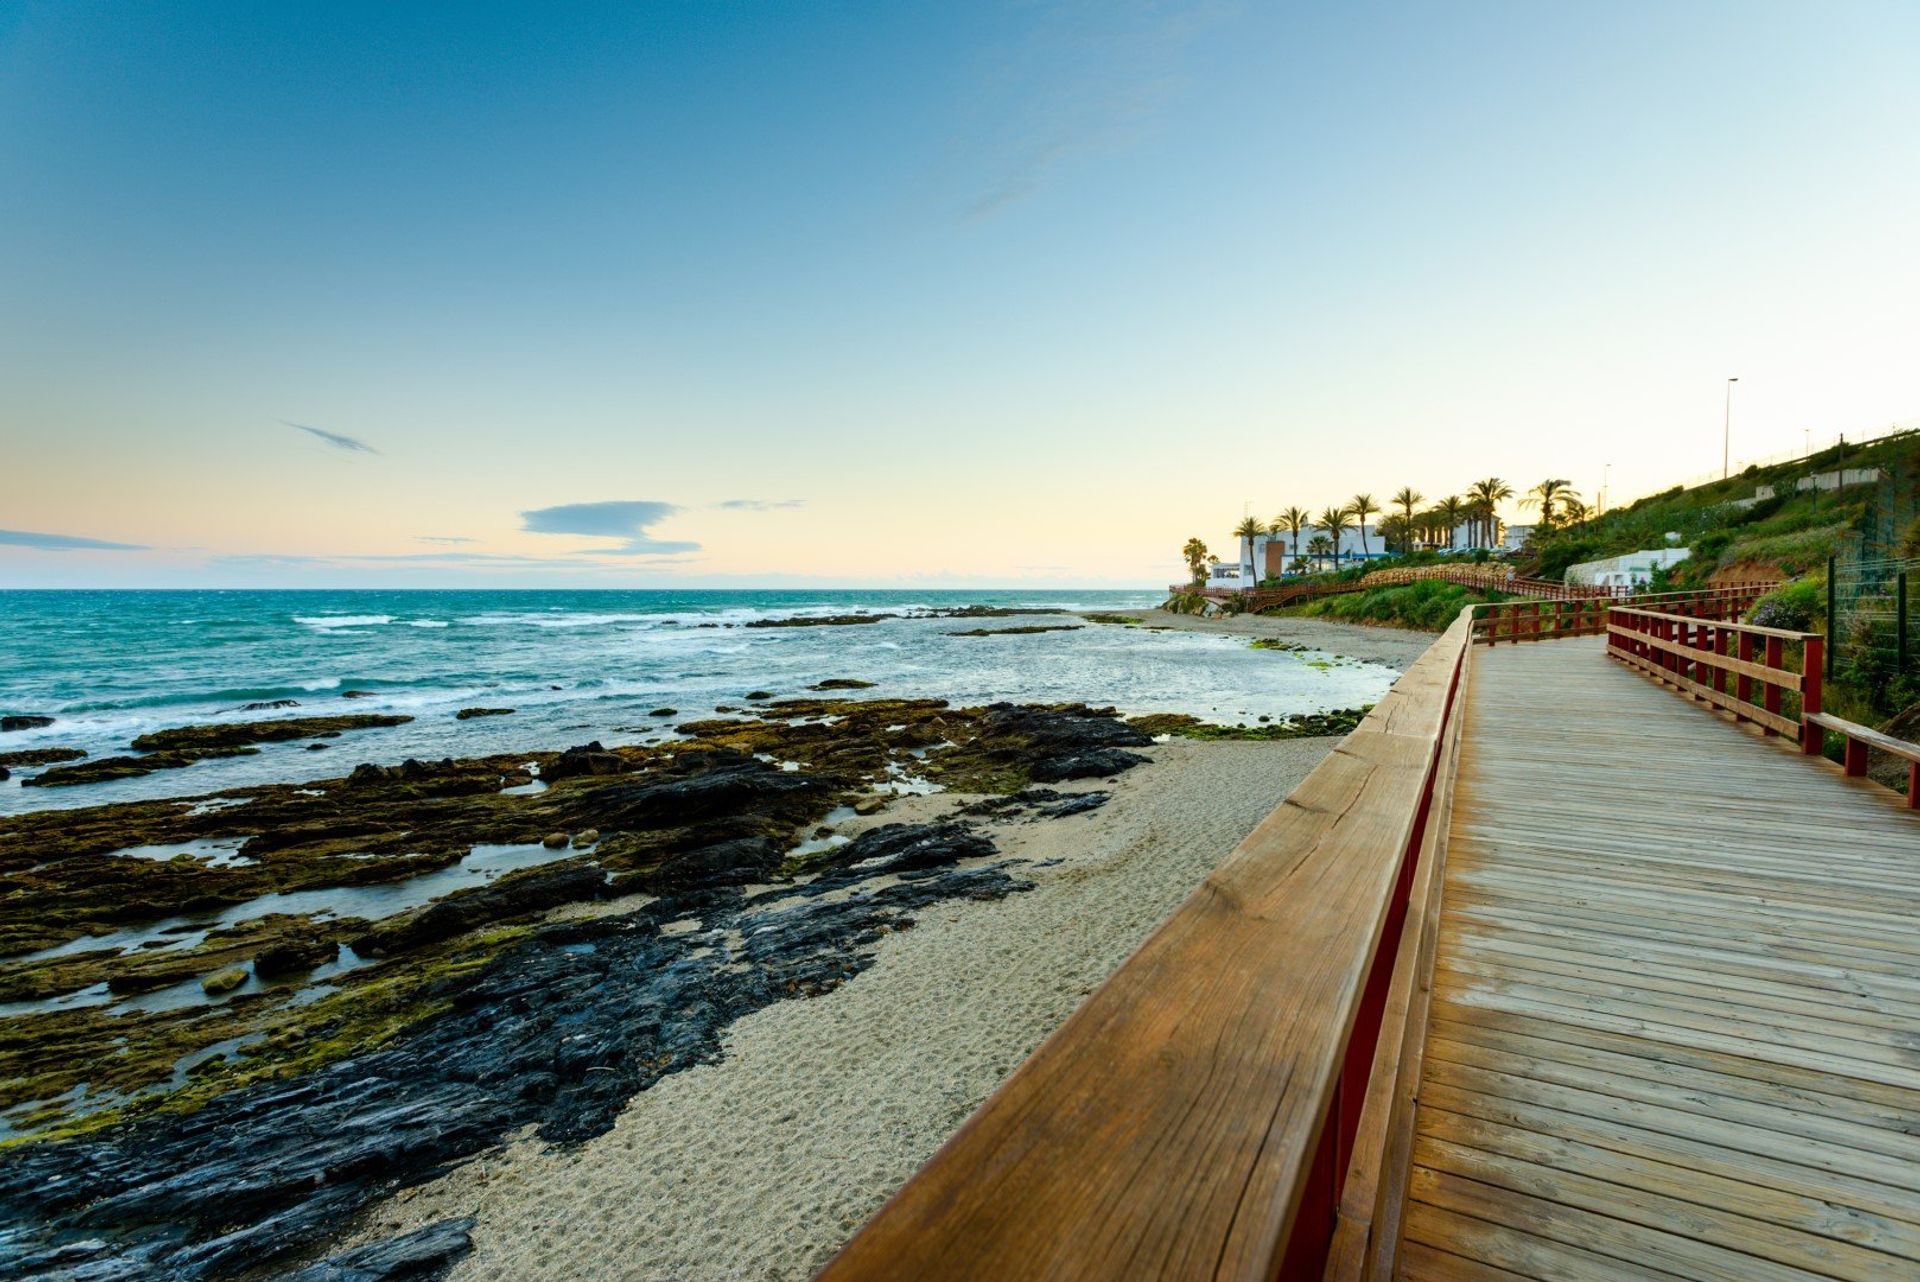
{"type": "Point", "coordinates": [1726, 431]}
{"type": "Point", "coordinates": [1606, 474]}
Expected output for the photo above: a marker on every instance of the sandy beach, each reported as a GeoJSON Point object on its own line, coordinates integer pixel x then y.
{"type": "Point", "coordinates": [1395, 647]}
{"type": "Point", "coordinates": [761, 1166]}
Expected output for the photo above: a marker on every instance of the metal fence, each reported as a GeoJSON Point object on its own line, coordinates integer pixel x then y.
{"type": "Point", "coordinates": [1873, 607]}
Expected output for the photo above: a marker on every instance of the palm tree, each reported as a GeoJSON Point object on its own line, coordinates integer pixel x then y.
{"type": "Point", "coordinates": [1487, 496]}
{"type": "Point", "coordinates": [1396, 533]}
{"type": "Point", "coordinates": [1548, 495]}
{"type": "Point", "coordinates": [1406, 500]}
{"type": "Point", "coordinates": [1250, 529]}
{"type": "Point", "coordinates": [1573, 509]}
{"type": "Point", "coordinates": [1320, 547]}
{"type": "Point", "coordinates": [1451, 510]}
{"type": "Point", "coordinates": [1196, 554]}
{"type": "Point", "coordinates": [1362, 506]}
{"type": "Point", "coordinates": [1293, 520]}
{"type": "Point", "coordinates": [1336, 521]}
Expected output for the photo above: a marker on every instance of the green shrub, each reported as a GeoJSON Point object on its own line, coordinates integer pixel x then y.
{"type": "Point", "coordinates": [1794, 606]}
{"type": "Point", "coordinates": [1428, 604]}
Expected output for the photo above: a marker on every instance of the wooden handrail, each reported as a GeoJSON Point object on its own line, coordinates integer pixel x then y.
{"type": "Point", "coordinates": [1515, 621]}
{"type": "Point", "coordinates": [1754, 628]}
{"type": "Point", "coordinates": [1366, 1236]}
{"type": "Point", "coordinates": [1702, 657]}
{"type": "Point", "coordinates": [1860, 738]}
{"type": "Point", "coordinates": [1195, 1117]}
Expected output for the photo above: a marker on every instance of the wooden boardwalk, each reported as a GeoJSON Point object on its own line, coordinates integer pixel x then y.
{"type": "Point", "coordinates": [1675, 1017]}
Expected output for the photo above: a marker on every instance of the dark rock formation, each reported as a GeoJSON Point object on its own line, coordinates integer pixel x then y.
{"type": "Point", "coordinates": [664, 712]}
{"type": "Point", "coordinates": [243, 733]}
{"type": "Point", "coordinates": [1037, 803]}
{"type": "Point", "coordinates": [295, 956]}
{"type": "Point", "coordinates": [819, 621]}
{"type": "Point", "coordinates": [468, 714]}
{"type": "Point", "coordinates": [584, 759]}
{"type": "Point", "coordinates": [443, 778]}
{"type": "Point", "coordinates": [420, 1256]}
{"type": "Point", "coordinates": [102, 769]}
{"type": "Point", "coordinates": [558, 1033]}
{"type": "Point", "coordinates": [40, 756]}
{"type": "Point", "coordinates": [1094, 763]}
{"type": "Point", "coordinates": [724, 863]}
{"type": "Point", "coordinates": [841, 683]}
{"type": "Point", "coordinates": [18, 722]}
{"type": "Point", "coordinates": [516, 895]}
{"type": "Point", "coordinates": [181, 747]}
{"type": "Point", "coordinates": [1025, 630]}
{"type": "Point", "coordinates": [269, 705]}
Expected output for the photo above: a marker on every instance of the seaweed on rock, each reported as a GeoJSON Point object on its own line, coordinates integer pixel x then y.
{"type": "Point", "coordinates": [557, 1033]}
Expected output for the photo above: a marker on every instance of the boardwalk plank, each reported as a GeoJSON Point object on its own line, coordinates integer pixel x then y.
{"type": "Point", "coordinates": [1675, 1027]}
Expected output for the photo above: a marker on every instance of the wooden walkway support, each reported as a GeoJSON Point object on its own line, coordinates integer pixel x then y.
{"type": "Point", "coordinates": [1674, 1020]}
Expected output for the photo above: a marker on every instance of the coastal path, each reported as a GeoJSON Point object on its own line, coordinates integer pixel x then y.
{"type": "Point", "coordinates": [1576, 960]}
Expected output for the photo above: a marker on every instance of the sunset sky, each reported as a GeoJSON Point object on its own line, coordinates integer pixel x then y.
{"type": "Point", "coordinates": [968, 294]}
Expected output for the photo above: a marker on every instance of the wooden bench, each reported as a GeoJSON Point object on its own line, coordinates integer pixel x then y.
{"type": "Point", "coordinates": [1860, 738]}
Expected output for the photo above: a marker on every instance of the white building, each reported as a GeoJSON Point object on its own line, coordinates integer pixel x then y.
{"type": "Point", "coordinates": [1275, 554]}
{"type": "Point", "coordinates": [1633, 570]}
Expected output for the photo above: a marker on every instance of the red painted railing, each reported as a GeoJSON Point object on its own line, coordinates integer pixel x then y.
{"type": "Point", "coordinates": [1513, 621]}
{"type": "Point", "coordinates": [1859, 740]}
{"type": "Point", "coordinates": [1746, 670]}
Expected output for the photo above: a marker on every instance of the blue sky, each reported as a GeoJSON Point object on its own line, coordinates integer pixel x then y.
{"type": "Point", "coordinates": [996, 294]}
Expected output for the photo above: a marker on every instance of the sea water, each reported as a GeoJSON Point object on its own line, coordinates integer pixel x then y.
{"type": "Point", "coordinates": [575, 666]}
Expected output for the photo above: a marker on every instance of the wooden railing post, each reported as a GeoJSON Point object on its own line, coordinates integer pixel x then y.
{"type": "Point", "coordinates": [1743, 684]}
{"type": "Point", "coordinates": [1776, 651]}
{"type": "Point", "coordinates": [1813, 740]}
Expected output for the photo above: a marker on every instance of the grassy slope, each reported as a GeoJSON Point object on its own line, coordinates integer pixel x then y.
{"type": "Point", "coordinates": [1791, 534]}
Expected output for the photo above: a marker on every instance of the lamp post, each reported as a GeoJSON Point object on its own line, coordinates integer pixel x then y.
{"type": "Point", "coordinates": [1606, 474]}
{"type": "Point", "coordinates": [1726, 432]}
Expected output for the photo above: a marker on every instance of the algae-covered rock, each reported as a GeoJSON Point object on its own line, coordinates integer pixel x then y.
{"type": "Point", "coordinates": [1093, 763]}
{"type": "Point", "coordinates": [295, 956]}
{"type": "Point", "coordinates": [584, 759]}
{"type": "Point", "coordinates": [841, 683]}
{"type": "Point", "coordinates": [554, 840]}
{"type": "Point", "coordinates": [103, 769]}
{"type": "Point", "coordinates": [40, 756]}
{"type": "Point", "coordinates": [514, 895]}
{"type": "Point", "coordinates": [1024, 630]}
{"type": "Point", "coordinates": [24, 722]}
{"type": "Point", "coordinates": [242, 733]}
{"type": "Point", "coordinates": [224, 981]}
{"type": "Point", "coordinates": [468, 714]}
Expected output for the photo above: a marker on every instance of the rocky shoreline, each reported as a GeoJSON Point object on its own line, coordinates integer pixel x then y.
{"type": "Point", "coordinates": [704, 878]}
{"type": "Point", "coordinates": [229, 1022]}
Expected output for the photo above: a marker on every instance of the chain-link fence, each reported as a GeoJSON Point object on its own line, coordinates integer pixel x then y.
{"type": "Point", "coordinates": [1874, 610]}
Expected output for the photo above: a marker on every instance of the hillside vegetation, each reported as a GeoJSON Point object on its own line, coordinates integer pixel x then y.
{"type": "Point", "coordinates": [1783, 537]}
